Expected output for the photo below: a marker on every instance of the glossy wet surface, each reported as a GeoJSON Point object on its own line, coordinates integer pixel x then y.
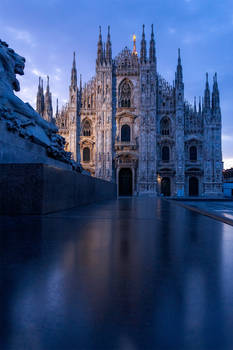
{"type": "Point", "coordinates": [220, 208]}
{"type": "Point", "coordinates": [126, 275]}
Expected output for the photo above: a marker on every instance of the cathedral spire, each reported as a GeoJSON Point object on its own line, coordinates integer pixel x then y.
{"type": "Point", "coordinates": [48, 108]}
{"type": "Point", "coordinates": [80, 83]}
{"type": "Point", "coordinates": [143, 46]}
{"type": "Point", "coordinates": [104, 52]}
{"type": "Point", "coordinates": [74, 73]}
{"type": "Point", "coordinates": [108, 48]}
{"type": "Point", "coordinates": [179, 73]}
{"type": "Point", "coordinates": [152, 46]}
{"type": "Point", "coordinates": [40, 98]}
{"type": "Point", "coordinates": [47, 88]}
{"type": "Point", "coordinates": [100, 49]}
{"type": "Point", "coordinates": [215, 94]}
{"type": "Point", "coordinates": [199, 107]}
{"type": "Point", "coordinates": [134, 45]}
{"type": "Point", "coordinates": [57, 108]}
{"type": "Point", "coordinates": [195, 105]}
{"type": "Point", "coordinates": [207, 94]}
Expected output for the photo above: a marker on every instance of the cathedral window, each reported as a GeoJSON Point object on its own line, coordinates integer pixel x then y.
{"type": "Point", "coordinates": [193, 153]}
{"type": "Point", "coordinates": [125, 133]}
{"type": "Point", "coordinates": [165, 154]}
{"type": "Point", "coordinates": [165, 126]}
{"type": "Point", "coordinates": [87, 128]}
{"type": "Point", "coordinates": [86, 154]}
{"type": "Point", "coordinates": [125, 94]}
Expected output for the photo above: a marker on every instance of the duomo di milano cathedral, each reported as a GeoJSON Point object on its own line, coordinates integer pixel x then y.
{"type": "Point", "coordinates": [129, 125]}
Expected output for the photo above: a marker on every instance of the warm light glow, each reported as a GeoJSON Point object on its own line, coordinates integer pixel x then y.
{"type": "Point", "coordinates": [134, 45]}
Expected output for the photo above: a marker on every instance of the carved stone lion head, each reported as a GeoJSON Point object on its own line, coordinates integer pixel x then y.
{"type": "Point", "coordinates": [11, 64]}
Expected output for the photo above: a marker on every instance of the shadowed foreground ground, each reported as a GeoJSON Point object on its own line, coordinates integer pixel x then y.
{"type": "Point", "coordinates": [127, 275]}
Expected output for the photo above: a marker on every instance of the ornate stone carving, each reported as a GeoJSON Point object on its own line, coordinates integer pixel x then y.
{"type": "Point", "coordinates": [20, 117]}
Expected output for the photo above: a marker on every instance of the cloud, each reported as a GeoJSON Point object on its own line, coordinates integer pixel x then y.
{"type": "Point", "coordinates": [227, 138]}
{"type": "Point", "coordinates": [191, 39]}
{"type": "Point", "coordinates": [228, 163]}
{"type": "Point", "coordinates": [22, 35]}
{"type": "Point", "coordinates": [57, 75]}
{"type": "Point", "coordinates": [38, 73]}
{"type": "Point", "coordinates": [171, 30]}
{"type": "Point", "coordinates": [27, 95]}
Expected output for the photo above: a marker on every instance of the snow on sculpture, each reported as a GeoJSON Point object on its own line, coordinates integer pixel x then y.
{"type": "Point", "coordinates": [20, 117]}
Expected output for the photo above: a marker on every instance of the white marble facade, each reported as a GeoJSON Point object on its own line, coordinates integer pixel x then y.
{"type": "Point", "coordinates": [130, 126]}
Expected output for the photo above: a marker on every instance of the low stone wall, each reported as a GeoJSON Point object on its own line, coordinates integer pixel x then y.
{"type": "Point", "coordinates": [41, 189]}
{"type": "Point", "coordinates": [16, 149]}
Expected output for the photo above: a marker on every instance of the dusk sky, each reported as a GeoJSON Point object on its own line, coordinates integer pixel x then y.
{"type": "Point", "coordinates": [47, 32]}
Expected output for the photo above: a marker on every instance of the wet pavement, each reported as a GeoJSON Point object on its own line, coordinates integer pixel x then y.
{"type": "Point", "coordinates": [219, 208]}
{"type": "Point", "coordinates": [127, 275]}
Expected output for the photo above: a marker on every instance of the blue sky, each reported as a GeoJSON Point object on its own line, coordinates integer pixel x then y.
{"type": "Point", "coordinates": [46, 32]}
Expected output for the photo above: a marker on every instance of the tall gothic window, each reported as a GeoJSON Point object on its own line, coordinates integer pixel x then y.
{"type": "Point", "coordinates": [86, 154]}
{"type": "Point", "coordinates": [125, 94]}
{"type": "Point", "coordinates": [193, 153]}
{"type": "Point", "coordinates": [165, 154]}
{"type": "Point", "coordinates": [165, 126]}
{"type": "Point", "coordinates": [125, 133]}
{"type": "Point", "coordinates": [87, 128]}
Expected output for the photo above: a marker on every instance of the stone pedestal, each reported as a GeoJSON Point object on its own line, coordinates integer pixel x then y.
{"type": "Point", "coordinates": [41, 189]}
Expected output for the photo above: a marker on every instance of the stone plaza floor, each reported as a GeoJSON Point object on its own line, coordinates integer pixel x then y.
{"type": "Point", "coordinates": [129, 274]}
{"type": "Point", "coordinates": [221, 209]}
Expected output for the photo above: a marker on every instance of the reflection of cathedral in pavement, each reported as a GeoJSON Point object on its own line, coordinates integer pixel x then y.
{"type": "Point", "coordinates": [129, 125]}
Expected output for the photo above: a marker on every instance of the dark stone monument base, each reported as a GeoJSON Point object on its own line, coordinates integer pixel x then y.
{"type": "Point", "coordinates": [41, 189]}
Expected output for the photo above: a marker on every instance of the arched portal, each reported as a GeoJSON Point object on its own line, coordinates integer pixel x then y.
{"type": "Point", "coordinates": [125, 133]}
{"type": "Point", "coordinates": [193, 153]}
{"type": "Point", "coordinates": [165, 154]}
{"type": "Point", "coordinates": [193, 186]}
{"type": "Point", "coordinates": [86, 154]}
{"type": "Point", "coordinates": [125, 182]}
{"type": "Point", "coordinates": [166, 186]}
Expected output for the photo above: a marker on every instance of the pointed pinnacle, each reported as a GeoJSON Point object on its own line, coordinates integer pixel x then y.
{"type": "Point", "coordinates": [179, 58]}
{"type": "Point", "coordinates": [80, 82]}
{"type": "Point", "coordinates": [74, 61]}
{"type": "Point", "coordinates": [47, 82]}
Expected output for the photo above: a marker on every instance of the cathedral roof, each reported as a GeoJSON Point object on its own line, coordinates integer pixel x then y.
{"type": "Point", "coordinates": [126, 62]}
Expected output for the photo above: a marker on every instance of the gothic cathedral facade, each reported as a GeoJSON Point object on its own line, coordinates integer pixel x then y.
{"type": "Point", "coordinates": [130, 126]}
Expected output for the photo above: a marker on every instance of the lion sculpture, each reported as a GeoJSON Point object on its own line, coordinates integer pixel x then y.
{"type": "Point", "coordinates": [20, 116]}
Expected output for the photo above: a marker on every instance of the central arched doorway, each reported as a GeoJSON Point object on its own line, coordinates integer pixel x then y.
{"type": "Point", "coordinates": [166, 186]}
{"type": "Point", "coordinates": [193, 186]}
{"type": "Point", "coordinates": [125, 182]}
